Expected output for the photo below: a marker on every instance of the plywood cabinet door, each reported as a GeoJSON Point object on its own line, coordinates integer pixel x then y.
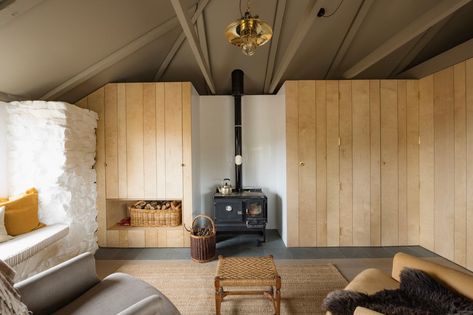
{"type": "Point", "coordinates": [144, 140]}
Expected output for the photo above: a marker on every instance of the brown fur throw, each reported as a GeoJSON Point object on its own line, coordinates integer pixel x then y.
{"type": "Point", "coordinates": [419, 294]}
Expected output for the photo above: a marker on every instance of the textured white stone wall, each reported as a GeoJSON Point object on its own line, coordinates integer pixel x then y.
{"type": "Point", "coordinates": [52, 147]}
{"type": "Point", "coordinates": [3, 150]}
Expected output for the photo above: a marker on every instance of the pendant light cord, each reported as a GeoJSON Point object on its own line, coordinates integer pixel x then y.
{"type": "Point", "coordinates": [326, 16]}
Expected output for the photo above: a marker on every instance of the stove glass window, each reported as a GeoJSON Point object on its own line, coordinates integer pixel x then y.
{"type": "Point", "coordinates": [254, 209]}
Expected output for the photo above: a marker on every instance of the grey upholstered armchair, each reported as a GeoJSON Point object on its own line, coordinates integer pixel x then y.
{"type": "Point", "coordinates": [73, 288]}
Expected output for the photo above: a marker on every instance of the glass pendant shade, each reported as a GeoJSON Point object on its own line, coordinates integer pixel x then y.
{"type": "Point", "coordinates": [248, 33]}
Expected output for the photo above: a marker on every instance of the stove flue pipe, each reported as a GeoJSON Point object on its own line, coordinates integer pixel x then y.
{"type": "Point", "coordinates": [237, 92]}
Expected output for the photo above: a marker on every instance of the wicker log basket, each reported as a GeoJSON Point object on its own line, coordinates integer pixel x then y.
{"type": "Point", "coordinates": [202, 240]}
{"type": "Point", "coordinates": [156, 213]}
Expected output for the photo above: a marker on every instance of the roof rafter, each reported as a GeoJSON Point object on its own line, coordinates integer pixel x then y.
{"type": "Point", "coordinates": [178, 42]}
{"type": "Point", "coordinates": [7, 97]}
{"type": "Point", "coordinates": [418, 46]}
{"type": "Point", "coordinates": [111, 59]}
{"type": "Point", "coordinates": [303, 27]}
{"type": "Point", "coordinates": [446, 59]}
{"type": "Point", "coordinates": [278, 19]}
{"type": "Point", "coordinates": [349, 36]}
{"type": "Point", "coordinates": [412, 30]}
{"type": "Point", "coordinates": [194, 43]}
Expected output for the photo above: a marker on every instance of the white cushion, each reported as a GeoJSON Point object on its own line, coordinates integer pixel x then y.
{"type": "Point", "coordinates": [3, 231]}
{"type": "Point", "coordinates": [26, 245]}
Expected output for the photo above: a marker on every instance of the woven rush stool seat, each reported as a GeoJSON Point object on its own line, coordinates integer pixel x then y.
{"type": "Point", "coordinates": [247, 272]}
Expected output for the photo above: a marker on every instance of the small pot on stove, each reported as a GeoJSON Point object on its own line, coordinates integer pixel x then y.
{"type": "Point", "coordinates": [226, 188]}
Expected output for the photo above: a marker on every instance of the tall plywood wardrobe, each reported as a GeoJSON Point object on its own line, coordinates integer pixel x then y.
{"type": "Point", "coordinates": [144, 145]}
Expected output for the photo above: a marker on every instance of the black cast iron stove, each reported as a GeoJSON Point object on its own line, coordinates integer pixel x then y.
{"type": "Point", "coordinates": [245, 209]}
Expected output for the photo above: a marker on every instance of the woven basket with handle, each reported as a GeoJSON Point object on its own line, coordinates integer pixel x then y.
{"type": "Point", "coordinates": [203, 247]}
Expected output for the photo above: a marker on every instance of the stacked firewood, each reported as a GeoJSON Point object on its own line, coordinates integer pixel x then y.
{"type": "Point", "coordinates": [200, 231]}
{"type": "Point", "coordinates": [158, 205]}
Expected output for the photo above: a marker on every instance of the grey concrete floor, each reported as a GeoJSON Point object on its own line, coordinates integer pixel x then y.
{"type": "Point", "coordinates": [246, 245]}
{"type": "Point", "coordinates": [349, 260]}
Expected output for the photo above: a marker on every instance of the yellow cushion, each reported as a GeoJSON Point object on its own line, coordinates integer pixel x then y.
{"type": "Point", "coordinates": [21, 214]}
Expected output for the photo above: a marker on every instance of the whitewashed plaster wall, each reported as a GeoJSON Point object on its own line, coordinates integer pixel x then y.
{"type": "Point", "coordinates": [51, 146]}
{"type": "Point", "coordinates": [3, 150]}
{"type": "Point", "coordinates": [263, 121]}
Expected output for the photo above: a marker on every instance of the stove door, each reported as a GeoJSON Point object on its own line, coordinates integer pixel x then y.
{"type": "Point", "coordinates": [228, 210]}
{"type": "Point", "coordinates": [255, 209]}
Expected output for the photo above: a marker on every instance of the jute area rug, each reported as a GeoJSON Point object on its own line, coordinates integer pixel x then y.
{"type": "Point", "coordinates": [190, 286]}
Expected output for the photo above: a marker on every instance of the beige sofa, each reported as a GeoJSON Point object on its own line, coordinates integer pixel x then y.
{"type": "Point", "coordinates": [372, 280]}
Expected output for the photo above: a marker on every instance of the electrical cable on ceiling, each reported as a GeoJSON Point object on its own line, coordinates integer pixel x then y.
{"type": "Point", "coordinates": [322, 11]}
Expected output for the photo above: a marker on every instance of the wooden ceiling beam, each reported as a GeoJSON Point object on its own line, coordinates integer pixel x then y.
{"type": "Point", "coordinates": [349, 36]}
{"type": "Point", "coordinates": [418, 46]}
{"type": "Point", "coordinates": [178, 42]}
{"type": "Point", "coordinates": [411, 31]}
{"type": "Point", "coordinates": [303, 27]}
{"type": "Point", "coordinates": [7, 97]}
{"type": "Point", "coordinates": [277, 27]}
{"type": "Point", "coordinates": [111, 59]}
{"type": "Point", "coordinates": [446, 59]}
{"type": "Point", "coordinates": [194, 43]}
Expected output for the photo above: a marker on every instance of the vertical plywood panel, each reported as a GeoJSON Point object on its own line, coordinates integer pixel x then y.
{"type": "Point", "coordinates": [160, 142]}
{"type": "Point", "coordinates": [402, 160]}
{"type": "Point", "coordinates": [413, 183]}
{"type": "Point", "coordinates": [123, 238]}
{"type": "Point", "coordinates": [459, 77]}
{"type": "Point", "coordinates": [321, 153]}
{"type": "Point", "coordinates": [389, 163]}
{"type": "Point", "coordinates": [112, 238]}
{"type": "Point", "coordinates": [162, 238]}
{"type": "Point", "coordinates": [96, 102]}
{"type": "Point", "coordinates": [346, 164]}
{"type": "Point", "coordinates": [333, 165]}
{"type": "Point", "coordinates": [444, 149]}
{"type": "Point", "coordinates": [175, 238]}
{"type": "Point", "coordinates": [308, 167]}
{"type": "Point", "coordinates": [83, 103]}
{"type": "Point", "coordinates": [361, 162]}
{"type": "Point", "coordinates": [469, 156]}
{"type": "Point", "coordinates": [111, 140]}
{"type": "Point", "coordinates": [426, 161]}
{"type": "Point", "coordinates": [149, 140]}
{"type": "Point", "coordinates": [121, 133]}
{"type": "Point", "coordinates": [134, 140]}
{"type": "Point", "coordinates": [136, 238]}
{"type": "Point", "coordinates": [292, 160]}
{"type": "Point", "coordinates": [187, 156]}
{"type": "Point", "coordinates": [173, 136]}
{"type": "Point", "coordinates": [375, 161]}
{"type": "Point", "coordinates": [151, 238]}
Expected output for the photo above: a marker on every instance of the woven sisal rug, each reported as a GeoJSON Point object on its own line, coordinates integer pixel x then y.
{"type": "Point", "coordinates": [190, 286]}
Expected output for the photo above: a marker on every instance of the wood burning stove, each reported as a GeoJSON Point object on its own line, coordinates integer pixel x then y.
{"type": "Point", "coordinates": [244, 210]}
{"type": "Point", "coordinates": [241, 212]}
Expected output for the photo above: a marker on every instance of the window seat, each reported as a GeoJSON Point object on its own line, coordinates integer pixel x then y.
{"type": "Point", "coordinates": [26, 245]}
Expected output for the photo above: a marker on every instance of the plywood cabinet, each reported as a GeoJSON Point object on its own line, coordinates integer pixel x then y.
{"type": "Point", "coordinates": [143, 152]}
{"type": "Point", "coordinates": [144, 140]}
{"type": "Point", "coordinates": [352, 162]}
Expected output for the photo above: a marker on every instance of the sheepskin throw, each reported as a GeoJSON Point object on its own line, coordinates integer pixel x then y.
{"type": "Point", "coordinates": [419, 294]}
{"type": "Point", "coordinates": [10, 303]}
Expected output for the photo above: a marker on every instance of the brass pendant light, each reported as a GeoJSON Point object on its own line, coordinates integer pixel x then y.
{"type": "Point", "coordinates": [248, 32]}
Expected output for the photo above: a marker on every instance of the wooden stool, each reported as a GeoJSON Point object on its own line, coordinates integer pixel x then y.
{"type": "Point", "coordinates": [247, 272]}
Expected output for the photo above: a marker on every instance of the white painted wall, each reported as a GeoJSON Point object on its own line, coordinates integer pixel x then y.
{"type": "Point", "coordinates": [3, 150]}
{"type": "Point", "coordinates": [216, 146]}
{"type": "Point", "coordinates": [264, 154]}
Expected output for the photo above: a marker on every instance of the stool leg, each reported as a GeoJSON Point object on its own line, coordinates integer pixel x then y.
{"type": "Point", "coordinates": [278, 296]}
{"type": "Point", "coordinates": [218, 296]}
